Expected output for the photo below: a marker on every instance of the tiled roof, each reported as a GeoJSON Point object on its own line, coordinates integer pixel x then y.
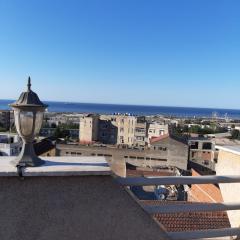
{"type": "Point", "coordinates": [143, 173]}
{"type": "Point", "coordinates": [156, 139]}
{"type": "Point", "coordinates": [189, 221]}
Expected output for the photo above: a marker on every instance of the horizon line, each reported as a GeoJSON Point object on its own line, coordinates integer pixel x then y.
{"type": "Point", "coordinates": [125, 104]}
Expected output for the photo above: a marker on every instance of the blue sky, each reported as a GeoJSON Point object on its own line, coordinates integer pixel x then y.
{"type": "Point", "coordinates": [151, 52]}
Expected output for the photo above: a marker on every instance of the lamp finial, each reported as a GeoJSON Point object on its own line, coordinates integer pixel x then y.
{"type": "Point", "coordinates": [29, 84]}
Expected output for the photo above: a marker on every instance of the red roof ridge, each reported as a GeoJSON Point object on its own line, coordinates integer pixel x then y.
{"type": "Point", "coordinates": [156, 139]}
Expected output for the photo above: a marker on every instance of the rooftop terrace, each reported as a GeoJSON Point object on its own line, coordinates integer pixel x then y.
{"type": "Point", "coordinates": [72, 197]}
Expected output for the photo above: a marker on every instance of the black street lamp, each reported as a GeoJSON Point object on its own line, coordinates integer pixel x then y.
{"type": "Point", "coordinates": [28, 114]}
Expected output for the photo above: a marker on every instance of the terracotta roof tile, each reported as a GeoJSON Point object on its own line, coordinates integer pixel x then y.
{"type": "Point", "coordinates": [189, 221]}
{"type": "Point", "coordinates": [143, 173]}
{"type": "Point", "coordinates": [156, 139]}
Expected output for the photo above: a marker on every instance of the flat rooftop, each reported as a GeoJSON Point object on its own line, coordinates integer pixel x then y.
{"type": "Point", "coordinates": [229, 148]}
{"type": "Point", "coordinates": [59, 166]}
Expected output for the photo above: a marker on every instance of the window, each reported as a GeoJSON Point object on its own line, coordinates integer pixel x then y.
{"type": "Point", "coordinates": [207, 145]}
{"type": "Point", "coordinates": [159, 159]}
{"type": "Point", "coordinates": [107, 155]}
{"type": "Point", "coordinates": [194, 145]}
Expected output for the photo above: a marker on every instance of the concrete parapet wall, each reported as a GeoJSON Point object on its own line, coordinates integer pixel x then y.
{"type": "Point", "coordinates": [229, 164]}
{"type": "Point", "coordinates": [71, 208]}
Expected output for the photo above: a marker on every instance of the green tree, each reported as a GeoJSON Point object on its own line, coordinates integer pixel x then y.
{"type": "Point", "coordinates": [235, 134]}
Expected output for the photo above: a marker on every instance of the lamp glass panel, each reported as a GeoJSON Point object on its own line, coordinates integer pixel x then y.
{"type": "Point", "coordinates": [38, 123]}
{"type": "Point", "coordinates": [16, 116]}
{"type": "Point", "coordinates": [26, 122]}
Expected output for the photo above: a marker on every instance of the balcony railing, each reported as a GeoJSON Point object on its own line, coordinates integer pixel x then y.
{"type": "Point", "coordinates": [189, 207]}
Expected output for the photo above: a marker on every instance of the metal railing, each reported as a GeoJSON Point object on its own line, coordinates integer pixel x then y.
{"type": "Point", "coordinates": [189, 207]}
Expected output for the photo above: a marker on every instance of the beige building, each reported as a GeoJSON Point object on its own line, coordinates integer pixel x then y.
{"type": "Point", "coordinates": [229, 164]}
{"type": "Point", "coordinates": [88, 129]}
{"type": "Point", "coordinates": [126, 129]}
{"type": "Point", "coordinates": [141, 134]}
{"type": "Point", "coordinates": [202, 151]}
{"type": "Point", "coordinates": [109, 129]}
{"type": "Point", "coordinates": [157, 129]}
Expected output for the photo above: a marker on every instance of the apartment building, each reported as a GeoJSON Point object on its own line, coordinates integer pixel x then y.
{"type": "Point", "coordinates": [107, 131]}
{"type": "Point", "coordinates": [156, 129]}
{"type": "Point", "coordinates": [62, 118]}
{"type": "Point", "coordinates": [88, 129]}
{"type": "Point", "coordinates": [5, 119]}
{"type": "Point", "coordinates": [141, 130]}
{"type": "Point", "coordinates": [126, 129]}
{"type": "Point", "coordinates": [202, 151]}
{"type": "Point", "coordinates": [10, 144]}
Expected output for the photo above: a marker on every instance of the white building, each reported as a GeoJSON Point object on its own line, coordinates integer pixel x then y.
{"type": "Point", "coordinates": [10, 144]}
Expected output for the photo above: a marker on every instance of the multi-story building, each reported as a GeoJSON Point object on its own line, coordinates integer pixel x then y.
{"type": "Point", "coordinates": [202, 151]}
{"type": "Point", "coordinates": [61, 118]}
{"type": "Point", "coordinates": [126, 129]}
{"type": "Point", "coordinates": [107, 132]}
{"type": "Point", "coordinates": [10, 144]}
{"type": "Point", "coordinates": [157, 129]}
{"type": "Point", "coordinates": [141, 129]}
{"type": "Point", "coordinates": [5, 119]}
{"type": "Point", "coordinates": [88, 129]}
{"type": "Point", "coordinates": [117, 129]}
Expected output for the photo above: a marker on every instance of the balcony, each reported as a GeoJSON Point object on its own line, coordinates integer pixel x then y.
{"type": "Point", "coordinates": [72, 197]}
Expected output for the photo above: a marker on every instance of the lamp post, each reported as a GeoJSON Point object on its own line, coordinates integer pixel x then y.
{"type": "Point", "coordinates": [28, 114]}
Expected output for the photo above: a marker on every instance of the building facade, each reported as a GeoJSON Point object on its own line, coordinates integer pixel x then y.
{"type": "Point", "coordinates": [10, 145]}
{"type": "Point", "coordinates": [172, 149]}
{"type": "Point", "coordinates": [126, 129]}
{"type": "Point", "coordinates": [229, 164]}
{"type": "Point", "coordinates": [202, 151]}
{"type": "Point", "coordinates": [88, 129]}
{"type": "Point", "coordinates": [5, 119]}
{"type": "Point", "coordinates": [156, 129]}
{"type": "Point", "coordinates": [141, 130]}
{"type": "Point", "coordinates": [107, 131]}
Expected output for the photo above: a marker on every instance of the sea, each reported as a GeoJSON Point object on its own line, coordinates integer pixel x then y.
{"type": "Point", "coordinates": [70, 107]}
